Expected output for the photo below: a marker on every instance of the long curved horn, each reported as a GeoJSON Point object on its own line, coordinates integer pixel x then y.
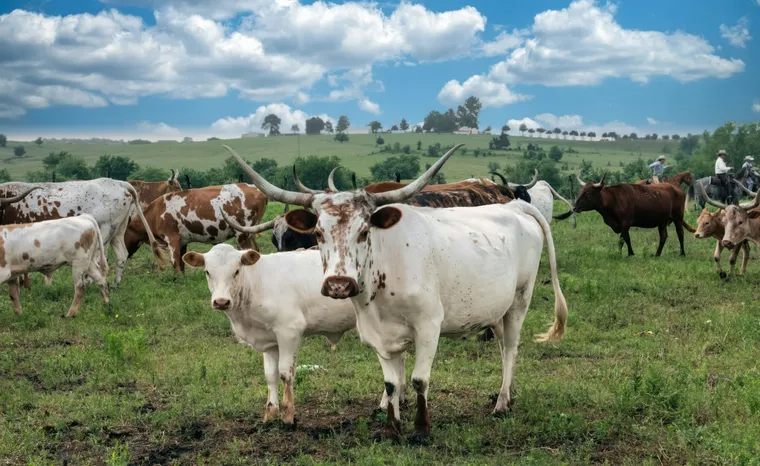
{"type": "Point", "coordinates": [744, 188]}
{"type": "Point", "coordinates": [401, 194]}
{"type": "Point", "coordinates": [11, 200]}
{"type": "Point", "coordinates": [504, 181]}
{"type": "Point", "coordinates": [532, 182]}
{"type": "Point", "coordinates": [578, 177]}
{"type": "Point", "coordinates": [301, 187]}
{"type": "Point", "coordinates": [713, 203]}
{"type": "Point", "coordinates": [250, 230]}
{"type": "Point", "coordinates": [271, 191]}
{"type": "Point", "coordinates": [174, 175]}
{"type": "Point", "coordinates": [331, 182]}
{"type": "Point", "coordinates": [601, 182]}
{"type": "Point", "coordinates": [353, 180]}
{"type": "Point", "coordinates": [189, 185]}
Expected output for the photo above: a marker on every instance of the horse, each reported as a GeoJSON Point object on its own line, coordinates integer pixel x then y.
{"type": "Point", "coordinates": [714, 191]}
{"type": "Point", "coordinates": [677, 179]}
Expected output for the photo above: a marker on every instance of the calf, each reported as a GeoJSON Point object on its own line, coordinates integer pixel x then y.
{"type": "Point", "coordinates": [46, 246]}
{"type": "Point", "coordinates": [273, 302]}
{"type": "Point", "coordinates": [180, 218]}
{"type": "Point", "coordinates": [712, 225]}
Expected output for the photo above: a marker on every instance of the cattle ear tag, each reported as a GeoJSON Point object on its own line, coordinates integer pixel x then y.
{"type": "Point", "coordinates": [301, 220]}
{"type": "Point", "coordinates": [250, 257]}
{"type": "Point", "coordinates": [193, 259]}
{"type": "Point", "coordinates": [385, 217]}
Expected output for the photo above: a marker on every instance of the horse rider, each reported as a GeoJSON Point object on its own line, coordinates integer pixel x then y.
{"type": "Point", "coordinates": [721, 172]}
{"type": "Point", "coordinates": [658, 168]}
{"type": "Point", "coordinates": [750, 171]}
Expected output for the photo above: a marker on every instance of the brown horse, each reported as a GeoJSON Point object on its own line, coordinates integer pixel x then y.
{"type": "Point", "coordinates": [677, 179]}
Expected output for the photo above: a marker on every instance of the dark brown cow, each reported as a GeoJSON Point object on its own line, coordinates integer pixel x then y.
{"type": "Point", "coordinates": [193, 215]}
{"type": "Point", "coordinates": [629, 205]}
{"type": "Point", "coordinates": [150, 190]}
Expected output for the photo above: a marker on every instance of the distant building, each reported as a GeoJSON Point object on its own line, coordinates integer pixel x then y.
{"type": "Point", "coordinates": [253, 135]}
{"type": "Point", "coordinates": [465, 130]}
{"type": "Point", "coordinates": [187, 139]}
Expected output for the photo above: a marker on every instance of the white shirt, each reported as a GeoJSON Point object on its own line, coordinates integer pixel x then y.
{"type": "Point", "coordinates": [720, 166]}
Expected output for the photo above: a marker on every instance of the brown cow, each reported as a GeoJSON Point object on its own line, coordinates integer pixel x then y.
{"type": "Point", "coordinates": [150, 190]}
{"type": "Point", "coordinates": [193, 215]}
{"type": "Point", "coordinates": [629, 205]}
{"type": "Point", "coordinates": [713, 225]}
{"type": "Point", "coordinates": [741, 222]}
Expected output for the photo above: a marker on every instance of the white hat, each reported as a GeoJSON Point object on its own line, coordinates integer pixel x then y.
{"type": "Point", "coordinates": [749, 158]}
{"type": "Point", "coordinates": [662, 157]}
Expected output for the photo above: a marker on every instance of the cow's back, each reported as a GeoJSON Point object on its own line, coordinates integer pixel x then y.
{"type": "Point", "coordinates": [647, 205]}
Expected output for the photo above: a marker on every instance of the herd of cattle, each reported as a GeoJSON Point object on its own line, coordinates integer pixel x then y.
{"type": "Point", "coordinates": [404, 264]}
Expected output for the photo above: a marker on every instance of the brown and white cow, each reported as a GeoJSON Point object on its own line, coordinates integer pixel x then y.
{"type": "Point", "coordinates": [149, 191]}
{"type": "Point", "coordinates": [713, 225]}
{"type": "Point", "coordinates": [46, 246]}
{"type": "Point", "coordinates": [742, 222]}
{"type": "Point", "coordinates": [193, 216]}
{"type": "Point", "coordinates": [109, 201]}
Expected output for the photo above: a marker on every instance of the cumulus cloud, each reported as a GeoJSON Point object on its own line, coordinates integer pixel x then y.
{"type": "Point", "coordinates": [514, 125]}
{"type": "Point", "coordinates": [233, 127]}
{"type": "Point", "coordinates": [552, 121]}
{"type": "Point", "coordinates": [369, 106]}
{"type": "Point", "coordinates": [503, 43]}
{"type": "Point", "coordinates": [651, 121]}
{"type": "Point", "coordinates": [584, 45]}
{"type": "Point", "coordinates": [756, 104]}
{"type": "Point", "coordinates": [737, 34]}
{"type": "Point", "coordinates": [157, 130]}
{"type": "Point", "coordinates": [490, 93]}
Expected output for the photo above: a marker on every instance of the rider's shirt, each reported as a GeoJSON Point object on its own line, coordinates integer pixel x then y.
{"type": "Point", "coordinates": [658, 168]}
{"type": "Point", "coordinates": [720, 166]}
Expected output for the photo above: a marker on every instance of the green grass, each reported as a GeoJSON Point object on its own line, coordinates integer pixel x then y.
{"type": "Point", "coordinates": [659, 365]}
{"type": "Point", "coordinates": [358, 154]}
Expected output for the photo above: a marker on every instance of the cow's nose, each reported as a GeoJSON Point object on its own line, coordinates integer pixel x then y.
{"type": "Point", "coordinates": [221, 304]}
{"type": "Point", "coordinates": [697, 235]}
{"type": "Point", "coordinates": [339, 287]}
{"type": "Point", "coordinates": [728, 244]}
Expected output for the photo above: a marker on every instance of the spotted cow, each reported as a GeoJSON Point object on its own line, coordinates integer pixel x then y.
{"type": "Point", "coordinates": [150, 190]}
{"type": "Point", "coordinates": [48, 245]}
{"type": "Point", "coordinates": [193, 215]}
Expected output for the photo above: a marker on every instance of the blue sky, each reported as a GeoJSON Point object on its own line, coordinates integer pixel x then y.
{"type": "Point", "coordinates": [171, 68]}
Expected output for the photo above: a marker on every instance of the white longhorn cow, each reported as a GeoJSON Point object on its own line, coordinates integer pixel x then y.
{"type": "Point", "coordinates": [415, 274]}
{"type": "Point", "coordinates": [273, 302]}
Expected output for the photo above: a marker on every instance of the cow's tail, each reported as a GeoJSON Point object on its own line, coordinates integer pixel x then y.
{"type": "Point", "coordinates": [557, 330]}
{"type": "Point", "coordinates": [103, 259]}
{"type": "Point", "coordinates": [560, 198]}
{"type": "Point", "coordinates": [158, 252]}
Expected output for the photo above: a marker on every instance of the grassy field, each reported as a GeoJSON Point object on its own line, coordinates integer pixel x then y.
{"type": "Point", "coordinates": [358, 154]}
{"type": "Point", "coordinates": [659, 366]}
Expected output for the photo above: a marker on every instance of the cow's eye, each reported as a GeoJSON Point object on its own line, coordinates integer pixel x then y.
{"type": "Point", "coordinates": [318, 234]}
{"type": "Point", "coordinates": [237, 272]}
{"type": "Point", "coordinates": [208, 274]}
{"type": "Point", "coordinates": [364, 234]}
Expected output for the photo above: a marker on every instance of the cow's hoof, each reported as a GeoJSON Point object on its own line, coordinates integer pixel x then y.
{"type": "Point", "coordinates": [419, 438]}
{"type": "Point", "coordinates": [723, 275]}
{"type": "Point", "coordinates": [386, 433]}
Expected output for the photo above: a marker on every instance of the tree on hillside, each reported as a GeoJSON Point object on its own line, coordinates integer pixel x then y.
{"type": "Point", "coordinates": [665, 137]}
{"type": "Point", "coordinates": [531, 131]}
{"type": "Point", "coordinates": [419, 144]}
{"type": "Point", "coordinates": [375, 126]}
{"type": "Point", "coordinates": [38, 141]}
{"type": "Point", "coordinates": [467, 114]}
{"type": "Point", "coordinates": [404, 125]}
{"type": "Point", "coordinates": [418, 129]}
{"type": "Point", "coordinates": [689, 143]}
{"type": "Point", "coordinates": [294, 128]}
{"type": "Point", "coordinates": [343, 124]}
{"type": "Point", "coordinates": [116, 167]}
{"type": "Point", "coordinates": [341, 137]}
{"type": "Point", "coordinates": [379, 141]}
{"type": "Point", "coordinates": [555, 153]}
{"type": "Point", "coordinates": [604, 135]}
{"type": "Point", "coordinates": [591, 134]}
{"type": "Point", "coordinates": [654, 136]}
{"type": "Point", "coordinates": [488, 129]}
{"type": "Point", "coordinates": [583, 135]}
{"type": "Point", "coordinates": [438, 122]}
{"type": "Point", "coordinates": [314, 126]}
{"type": "Point", "coordinates": [540, 131]}
{"type": "Point", "coordinates": [505, 129]}
{"type": "Point", "coordinates": [523, 128]}
{"type": "Point", "coordinates": [329, 126]}
{"type": "Point", "coordinates": [633, 136]}
{"type": "Point", "coordinates": [19, 151]}
{"type": "Point", "coordinates": [3, 140]}
{"type": "Point", "coordinates": [67, 166]}
{"type": "Point", "coordinates": [272, 123]}
{"type": "Point", "coordinates": [574, 134]}
{"type": "Point", "coordinates": [557, 132]}
{"type": "Point", "coordinates": [500, 142]}
{"type": "Point", "coordinates": [394, 128]}
{"type": "Point", "coordinates": [675, 137]}
{"type": "Point", "coordinates": [407, 166]}
{"type": "Point", "coordinates": [565, 133]}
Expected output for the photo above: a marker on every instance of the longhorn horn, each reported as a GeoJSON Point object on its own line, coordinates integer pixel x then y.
{"type": "Point", "coordinates": [601, 182]}
{"type": "Point", "coordinates": [250, 230]}
{"type": "Point", "coordinates": [174, 175]}
{"type": "Point", "coordinates": [578, 177]}
{"type": "Point", "coordinates": [744, 188]}
{"type": "Point", "coordinates": [402, 194]}
{"type": "Point", "coordinates": [331, 182]}
{"type": "Point", "coordinates": [270, 190]}
{"type": "Point", "coordinates": [11, 200]}
{"type": "Point", "coordinates": [301, 187]}
{"type": "Point", "coordinates": [503, 179]}
{"type": "Point", "coordinates": [533, 181]}
{"type": "Point", "coordinates": [707, 199]}
{"type": "Point", "coordinates": [189, 185]}
{"type": "Point", "coordinates": [353, 179]}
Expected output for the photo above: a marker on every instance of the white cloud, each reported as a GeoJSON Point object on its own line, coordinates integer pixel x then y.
{"type": "Point", "coordinates": [552, 121]}
{"type": "Point", "coordinates": [738, 34]}
{"type": "Point", "coordinates": [514, 125]}
{"type": "Point", "coordinates": [233, 127]}
{"type": "Point", "coordinates": [301, 98]}
{"type": "Point", "coordinates": [503, 43]}
{"type": "Point", "coordinates": [490, 93]}
{"type": "Point", "coordinates": [651, 121]}
{"type": "Point", "coordinates": [369, 106]}
{"type": "Point", "coordinates": [158, 130]}
{"type": "Point", "coordinates": [756, 104]}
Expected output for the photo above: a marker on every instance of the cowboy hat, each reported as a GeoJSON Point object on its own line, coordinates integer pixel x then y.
{"type": "Point", "coordinates": [749, 158]}
{"type": "Point", "coordinates": [722, 152]}
{"type": "Point", "coordinates": [662, 157]}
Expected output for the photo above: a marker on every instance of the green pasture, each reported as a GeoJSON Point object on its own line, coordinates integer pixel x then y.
{"type": "Point", "coordinates": [659, 366]}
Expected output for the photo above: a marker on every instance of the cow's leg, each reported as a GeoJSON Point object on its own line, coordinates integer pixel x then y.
{"type": "Point", "coordinates": [119, 250]}
{"type": "Point", "coordinates": [745, 257]}
{"type": "Point", "coordinates": [48, 278]}
{"type": "Point", "coordinates": [679, 233]}
{"type": "Point", "coordinates": [175, 250]}
{"type": "Point", "coordinates": [716, 258]}
{"type": "Point", "coordinates": [95, 274]}
{"type": "Point", "coordinates": [663, 230]}
{"type": "Point", "coordinates": [182, 252]}
{"type": "Point", "coordinates": [27, 281]}
{"type": "Point", "coordinates": [78, 295]}
{"type": "Point", "coordinates": [508, 344]}
{"type": "Point", "coordinates": [426, 345]}
{"type": "Point", "coordinates": [271, 372]}
{"type": "Point", "coordinates": [13, 293]}
{"type": "Point", "coordinates": [402, 385]}
{"type": "Point", "coordinates": [393, 375]}
{"type": "Point", "coordinates": [627, 238]}
{"type": "Point", "coordinates": [287, 367]}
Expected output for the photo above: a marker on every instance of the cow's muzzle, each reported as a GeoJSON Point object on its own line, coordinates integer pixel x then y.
{"type": "Point", "coordinates": [339, 287]}
{"type": "Point", "coordinates": [698, 235]}
{"type": "Point", "coordinates": [221, 304]}
{"type": "Point", "coordinates": [728, 244]}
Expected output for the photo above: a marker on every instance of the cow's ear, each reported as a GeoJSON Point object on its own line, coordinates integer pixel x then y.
{"type": "Point", "coordinates": [385, 217]}
{"type": "Point", "coordinates": [250, 257]}
{"type": "Point", "coordinates": [194, 259]}
{"type": "Point", "coordinates": [754, 214]}
{"type": "Point", "coordinates": [301, 220]}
